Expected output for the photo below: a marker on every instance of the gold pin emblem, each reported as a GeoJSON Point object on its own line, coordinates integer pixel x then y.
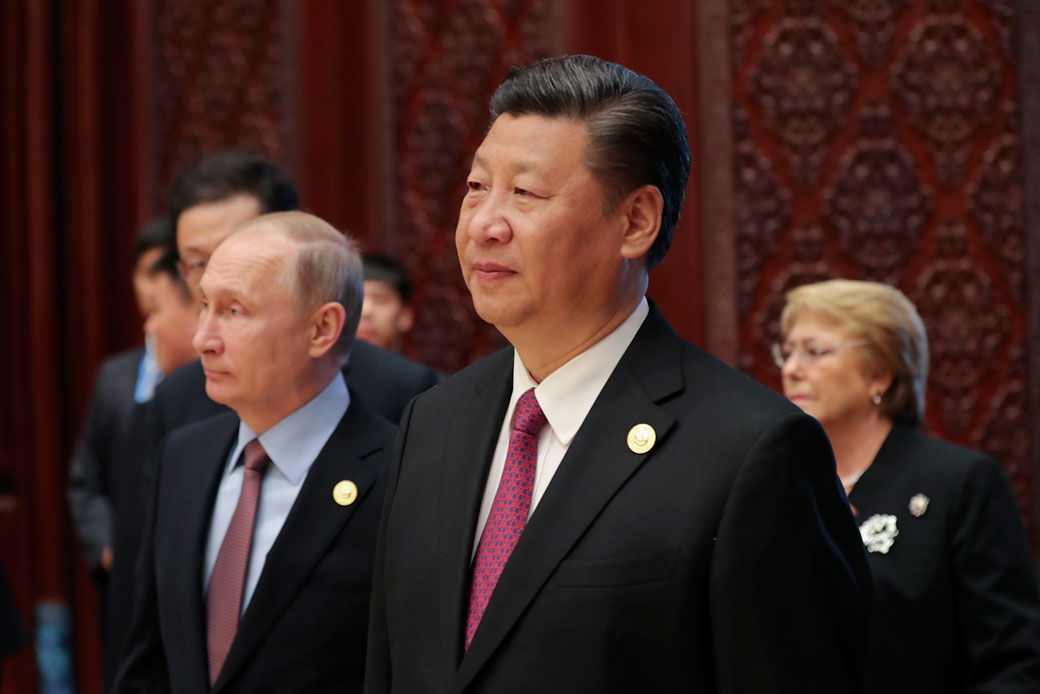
{"type": "Point", "coordinates": [918, 505]}
{"type": "Point", "coordinates": [344, 493]}
{"type": "Point", "coordinates": [641, 438]}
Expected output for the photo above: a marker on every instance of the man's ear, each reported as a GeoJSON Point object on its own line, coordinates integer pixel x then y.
{"type": "Point", "coordinates": [405, 320]}
{"type": "Point", "coordinates": [326, 326]}
{"type": "Point", "coordinates": [642, 212]}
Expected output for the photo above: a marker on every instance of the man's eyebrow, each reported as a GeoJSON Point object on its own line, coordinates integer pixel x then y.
{"type": "Point", "coordinates": [521, 166]}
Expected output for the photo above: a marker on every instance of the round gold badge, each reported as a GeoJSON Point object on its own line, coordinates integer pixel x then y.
{"type": "Point", "coordinates": [641, 438]}
{"type": "Point", "coordinates": [344, 493]}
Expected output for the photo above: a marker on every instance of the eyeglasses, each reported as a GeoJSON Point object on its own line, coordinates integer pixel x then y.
{"type": "Point", "coordinates": [808, 355]}
{"type": "Point", "coordinates": [187, 270]}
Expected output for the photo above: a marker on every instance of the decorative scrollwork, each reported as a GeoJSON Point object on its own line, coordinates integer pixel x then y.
{"type": "Point", "coordinates": [804, 85]}
{"type": "Point", "coordinates": [878, 206]}
{"type": "Point", "coordinates": [948, 81]}
{"type": "Point", "coordinates": [968, 325]}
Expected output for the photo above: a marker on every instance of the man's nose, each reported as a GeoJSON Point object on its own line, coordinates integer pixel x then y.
{"type": "Point", "coordinates": [206, 338]}
{"type": "Point", "coordinates": [489, 221]}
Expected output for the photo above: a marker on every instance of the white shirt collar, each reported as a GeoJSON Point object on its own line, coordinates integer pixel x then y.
{"type": "Point", "coordinates": [568, 393]}
{"type": "Point", "coordinates": [294, 443]}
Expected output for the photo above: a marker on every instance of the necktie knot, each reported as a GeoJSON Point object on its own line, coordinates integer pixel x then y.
{"type": "Point", "coordinates": [529, 417]}
{"type": "Point", "coordinates": [255, 456]}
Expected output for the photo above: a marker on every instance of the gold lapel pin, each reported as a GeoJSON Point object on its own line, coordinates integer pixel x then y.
{"type": "Point", "coordinates": [344, 493]}
{"type": "Point", "coordinates": [918, 505]}
{"type": "Point", "coordinates": [641, 438]}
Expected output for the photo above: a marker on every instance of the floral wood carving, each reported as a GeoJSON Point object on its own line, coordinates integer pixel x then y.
{"type": "Point", "coordinates": [762, 211]}
{"type": "Point", "coordinates": [968, 325]}
{"type": "Point", "coordinates": [878, 206]}
{"type": "Point", "coordinates": [220, 80]}
{"type": "Point", "coordinates": [1002, 15]}
{"type": "Point", "coordinates": [948, 81]}
{"type": "Point", "coordinates": [873, 24]}
{"type": "Point", "coordinates": [803, 84]}
{"type": "Point", "coordinates": [996, 202]}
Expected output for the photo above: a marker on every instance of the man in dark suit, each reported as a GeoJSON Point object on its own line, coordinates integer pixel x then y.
{"type": "Point", "coordinates": [104, 485]}
{"type": "Point", "coordinates": [255, 576]}
{"type": "Point", "coordinates": [651, 520]}
{"type": "Point", "coordinates": [207, 201]}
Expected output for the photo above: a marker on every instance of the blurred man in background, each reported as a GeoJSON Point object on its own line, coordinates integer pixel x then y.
{"type": "Point", "coordinates": [104, 485]}
{"type": "Point", "coordinates": [387, 315]}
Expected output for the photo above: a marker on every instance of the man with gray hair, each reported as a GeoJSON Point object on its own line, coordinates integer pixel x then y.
{"type": "Point", "coordinates": [603, 507]}
{"type": "Point", "coordinates": [255, 572]}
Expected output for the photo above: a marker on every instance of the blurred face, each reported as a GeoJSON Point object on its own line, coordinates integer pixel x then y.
{"type": "Point", "coordinates": [829, 384]}
{"type": "Point", "coordinates": [252, 338]}
{"type": "Point", "coordinates": [171, 324]}
{"type": "Point", "coordinates": [536, 250]}
{"type": "Point", "coordinates": [384, 317]}
{"type": "Point", "coordinates": [201, 228]}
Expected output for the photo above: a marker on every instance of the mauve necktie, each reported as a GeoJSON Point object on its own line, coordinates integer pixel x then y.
{"type": "Point", "coordinates": [224, 598]}
{"type": "Point", "coordinates": [509, 510]}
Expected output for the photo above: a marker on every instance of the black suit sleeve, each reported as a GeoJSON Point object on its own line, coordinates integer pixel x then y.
{"type": "Point", "coordinates": [996, 590]}
{"type": "Point", "coordinates": [790, 586]}
{"type": "Point", "coordinates": [378, 670]}
{"type": "Point", "coordinates": [87, 489]}
{"type": "Point", "coordinates": [142, 667]}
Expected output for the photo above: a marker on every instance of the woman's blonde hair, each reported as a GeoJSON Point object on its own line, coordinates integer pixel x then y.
{"type": "Point", "coordinates": [885, 318]}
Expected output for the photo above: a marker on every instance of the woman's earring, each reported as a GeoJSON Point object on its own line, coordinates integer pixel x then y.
{"type": "Point", "coordinates": [877, 398]}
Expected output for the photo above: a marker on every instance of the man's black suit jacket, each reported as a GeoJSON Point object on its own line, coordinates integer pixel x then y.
{"type": "Point", "coordinates": [304, 628]}
{"type": "Point", "coordinates": [725, 559]}
{"type": "Point", "coordinates": [105, 497]}
{"type": "Point", "coordinates": [956, 605]}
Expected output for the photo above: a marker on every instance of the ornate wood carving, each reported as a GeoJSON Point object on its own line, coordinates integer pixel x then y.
{"type": "Point", "coordinates": [873, 23]}
{"type": "Point", "coordinates": [220, 79]}
{"type": "Point", "coordinates": [878, 206]}
{"type": "Point", "coordinates": [948, 81]}
{"type": "Point", "coordinates": [968, 325]}
{"type": "Point", "coordinates": [803, 84]}
{"type": "Point", "coordinates": [996, 205]}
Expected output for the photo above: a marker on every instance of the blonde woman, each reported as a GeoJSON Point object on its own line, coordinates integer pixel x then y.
{"type": "Point", "coordinates": [956, 602]}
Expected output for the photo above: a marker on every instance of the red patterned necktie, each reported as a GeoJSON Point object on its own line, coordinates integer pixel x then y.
{"type": "Point", "coordinates": [509, 510]}
{"type": "Point", "coordinates": [224, 598]}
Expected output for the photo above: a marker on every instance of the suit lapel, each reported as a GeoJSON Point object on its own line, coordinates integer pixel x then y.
{"type": "Point", "coordinates": [596, 466]}
{"type": "Point", "coordinates": [475, 425]}
{"type": "Point", "coordinates": [197, 511]}
{"type": "Point", "coordinates": [313, 523]}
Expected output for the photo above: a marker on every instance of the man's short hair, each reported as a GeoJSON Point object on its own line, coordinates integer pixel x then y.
{"type": "Point", "coordinates": [383, 268]}
{"type": "Point", "coordinates": [636, 133]}
{"type": "Point", "coordinates": [326, 267]}
{"type": "Point", "coordinates": [158, 233]}
{"type": "Point", "coordinates": [167, 265]}
{"type": "Point", "coordinates": [229, 173]}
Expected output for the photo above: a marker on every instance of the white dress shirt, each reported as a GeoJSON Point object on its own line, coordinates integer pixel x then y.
{"type": "Point", "coordinates": [566, 397]}
{"type": "Point", "coordinates": [292, 444]}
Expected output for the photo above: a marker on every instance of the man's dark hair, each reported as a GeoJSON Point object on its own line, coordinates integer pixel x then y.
{"type": "Point", "coordinates": [229, 173]}
{"type": "Point", "coordinates": [167, 265]}
{"type": "Point", "coordinates": [382, 268]}
{"type": "Point", "coordinates": [158, 233]}
{"type": "Point", "coordinates": [636, 133]}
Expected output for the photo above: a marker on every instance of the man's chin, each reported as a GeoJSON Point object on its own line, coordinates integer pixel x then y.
{"type": "Point", "coordinates": [216, 392]}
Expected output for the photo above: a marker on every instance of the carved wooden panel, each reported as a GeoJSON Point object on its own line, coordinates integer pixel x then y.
{"type": "Point", "coordinates": [220, 78]}
{"type": "Point", "coordinates": [880, 139]}
{"type": "Point", "coordinates": [447, 59]}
